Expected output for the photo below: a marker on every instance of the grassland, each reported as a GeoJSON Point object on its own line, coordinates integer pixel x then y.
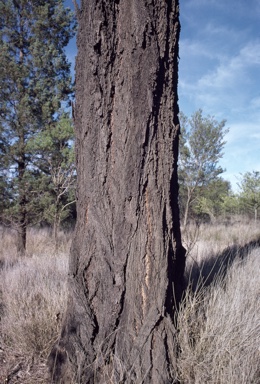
{"type": "Point", "coordinates": [218, 323]}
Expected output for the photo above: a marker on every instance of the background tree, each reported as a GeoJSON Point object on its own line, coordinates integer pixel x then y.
{"type": "Point", "coordinates": [34, 80]}
{"type": "Point", "coordinates": [210, 199]}
{"type": "Point", "coordinates": [53, 157]}
{"type": "Point", "coordinates": [201, 147]}
{"type": "Point", "coordinates": [230, 205]}
{"type": "Point", "coordinates": [127, 261]}
{"type": "Point", "coordinates": [5, 194]}
{"type": "Point", "coordinates": [250, 193]}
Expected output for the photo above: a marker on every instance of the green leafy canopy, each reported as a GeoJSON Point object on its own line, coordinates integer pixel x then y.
{"type": "Point", "coordinates": [35, 82]}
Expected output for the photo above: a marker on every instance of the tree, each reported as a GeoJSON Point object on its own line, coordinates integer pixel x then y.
{"type": "Point", "coordinates": [127, 260]}
{"type": "Point", "coordinates": [53, 151]}
{"type": "Point", "coordinates": [5, 194]}
{"type": "Point", "coordinates": [230, 205]}
{"type": "Point", "coordinates": [201, 147]}
{"type": "Point", "coordinates": [250, 192]}
{"type": "Point", "coordinates": [210, 199]}
{"type": "Point", "coordinates": [34, 80]}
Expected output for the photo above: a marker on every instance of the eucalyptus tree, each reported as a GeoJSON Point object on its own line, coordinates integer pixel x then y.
{"type": "Point", "coordinates": [212, 200]}
{"type": "Point", "coordinates": [201, 148]}
{"type": "Point", "coordinates": [250, 193]}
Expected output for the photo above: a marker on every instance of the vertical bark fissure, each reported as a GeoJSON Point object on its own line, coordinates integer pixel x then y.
{"type": "Point", "coordinates": [89, 298]}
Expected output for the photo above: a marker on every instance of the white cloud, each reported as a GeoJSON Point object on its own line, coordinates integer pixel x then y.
{"type": "Point", "coordinates": [255, 103]}
{"type": "Point", "coordinates": [224, 35]}
{"type": "Point", "coordinates": [233, 70]}
{"type": "Point", "coordinates": [238, 7]}
{"type": "Point", "coordinates": [195, 48]}
{"type": "Point", "coordinates": [220, 73]}
{"type": "Point", "coordinates": [244, 130]}
{"type": "Point", "coordinates": [250, 54]}
{"type": "Point", "coordinates": [228, 85]}
{"type": "Point", "coordinates": [201, 3]}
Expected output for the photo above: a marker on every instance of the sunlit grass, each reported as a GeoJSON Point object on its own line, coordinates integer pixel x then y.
{"type": "Point", "coordinates": [33, 299]}
{"type": "Point", "coordinates": [219, 328]}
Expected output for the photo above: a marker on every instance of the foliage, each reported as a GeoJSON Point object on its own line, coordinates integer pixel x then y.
{"type": "Point", "coordinates": [201, 147]}
{"type": "Point", "coordinates": [250, 192]}
{"type": "Point", "coordinates": [53, 151]}
{"type": "Point", "coordinates": [230, 205]}
{"type": "Point", "coordinates": [34, 81]}
{"type": "Point", "coordinates": [211, 198]}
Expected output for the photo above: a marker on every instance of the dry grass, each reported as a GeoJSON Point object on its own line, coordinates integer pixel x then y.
{"type": "Point", "coordinates": [33, 298]}
{"type": "Point", "coordinates": [219, 328]}
{"type": "Point", "coordinates": [218, 321]}
{"type": "Point", "coordinates": [210, 249]}
{"type": "Point", "coordinates": [204, 240]}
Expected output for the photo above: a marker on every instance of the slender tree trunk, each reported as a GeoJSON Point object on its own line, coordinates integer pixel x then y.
{"type": "Point", "coordinates": [56, 225]}
{"type": "Point", "coordinates": [127, 260]}
{"type": "Point", "coordinates": [187, 208]}
{"type": "Point", "coordinates": [22, 199]}
{"type": "Point", "coordinates": [21, 235]}
{"type": "Point", "coordinates": [22, 211]}
{"type": "Point", "coordinates": [185, 221]}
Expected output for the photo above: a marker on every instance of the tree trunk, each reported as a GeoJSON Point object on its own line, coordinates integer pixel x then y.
{"type": "Point", "coordinates": [185, 220]}
{"type": "Point", "coordinates": [127, 260]}
{"type": "Point", "coordinates": [56, 226]}
{"type": "Point", "coordinates": [22, 211]}
{"type": "Point", "coordinates": [21, 235]}
{"type": "Point", "coordinates": [187, 208]}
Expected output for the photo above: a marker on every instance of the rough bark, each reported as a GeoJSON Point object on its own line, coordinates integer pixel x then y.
{"type": "Point", "coordinates": [127, 261]}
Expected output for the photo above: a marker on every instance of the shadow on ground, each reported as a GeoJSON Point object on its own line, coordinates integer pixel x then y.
{"type": "Point", "coordinates": [204, 273]}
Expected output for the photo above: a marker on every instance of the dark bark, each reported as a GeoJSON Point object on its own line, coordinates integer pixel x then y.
{"type": "Point", "coordinates": [127, 261]}
{"type": "Point", "coordinates": [22, 203]}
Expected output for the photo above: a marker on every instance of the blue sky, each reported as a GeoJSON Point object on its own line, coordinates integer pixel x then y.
{"type": "Point", "coordinates": [219, 72]}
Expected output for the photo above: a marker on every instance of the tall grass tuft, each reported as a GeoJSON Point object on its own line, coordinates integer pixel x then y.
{"type": "Point", "coordinates": [33, 295]}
